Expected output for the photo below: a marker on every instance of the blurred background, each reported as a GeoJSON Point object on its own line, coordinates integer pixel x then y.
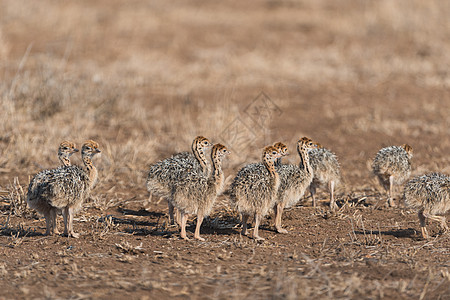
{"type": "Point", "coordinates": [143, 78]}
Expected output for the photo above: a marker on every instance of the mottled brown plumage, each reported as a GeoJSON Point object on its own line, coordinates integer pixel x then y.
{"type": "Point", "coordinates": [164, 174]}
{"type": "Point", "coordinates": [430, 195]}
{"type": "Point", "coordinates": [282, 149]}
{"type": "Point", "coordinates": [65, 150]}
{"type": "Point", "coordinates": [67, 187]}
{"type": "Point", "coordinates": [196, 192]}
{"type": "Point", "coordinates": [254, 189]}
{"type": "Point", "coordinates": [294, 180]}
{"type": "Point", "coordinates": [327, 172]}
{"type": "Point", "coordinates": [392, 165]}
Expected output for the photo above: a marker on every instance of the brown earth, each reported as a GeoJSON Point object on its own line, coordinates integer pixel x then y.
{"type": "Point", "coordinates": [144, 78]}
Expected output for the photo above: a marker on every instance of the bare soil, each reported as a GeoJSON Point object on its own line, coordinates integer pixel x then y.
{"type": "Point", "coordinates": [144, 78]}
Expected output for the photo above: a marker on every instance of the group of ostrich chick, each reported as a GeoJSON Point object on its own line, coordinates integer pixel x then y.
{"type": "Point", "coordinates": [191, 184]}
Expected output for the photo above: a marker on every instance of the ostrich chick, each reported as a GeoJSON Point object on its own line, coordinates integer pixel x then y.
{"type": "Point", "coordinates": [195, 193]}
{"type": "Point", "coordinates": [392, 165]}
{"type": "Point", "coordinates": [430, 195]}
{"type": "Point", "coordinates": [65, 150]}
{"type": "Point", "coordinates": [254, 189]}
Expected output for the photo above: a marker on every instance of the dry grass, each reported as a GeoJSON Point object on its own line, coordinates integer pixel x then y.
{"type": "Point", "coordinates": [144, 78]}
{"type": "Point", "coordinates": [40, 89]}
{"type": "Point", "coordinates": [16, 198]}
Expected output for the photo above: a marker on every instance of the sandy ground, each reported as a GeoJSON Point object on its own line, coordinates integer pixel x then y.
{"type": "Point", "coordinates": [144, 78]}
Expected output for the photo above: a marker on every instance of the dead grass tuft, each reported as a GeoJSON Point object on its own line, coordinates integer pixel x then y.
{"type": "Point", "coordinates": [108, 225]}
{"type": "Point", "coordinates": [3, 270]}
{"type": "Point", "coordinates": [127, 248]}
{"type": "Point", "coordinates": [144, 79]}
{"type": "Point", "coordinates": [16, 198]}
{"type": "Point", "coordinates": [369, 238]}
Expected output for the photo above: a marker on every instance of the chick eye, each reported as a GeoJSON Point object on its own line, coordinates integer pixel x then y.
{"type": "Point", "coordinates": [65, 148]}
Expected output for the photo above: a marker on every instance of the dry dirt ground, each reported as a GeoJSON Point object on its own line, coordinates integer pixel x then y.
{"type": "Point", "coordinates": [145, 77]}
